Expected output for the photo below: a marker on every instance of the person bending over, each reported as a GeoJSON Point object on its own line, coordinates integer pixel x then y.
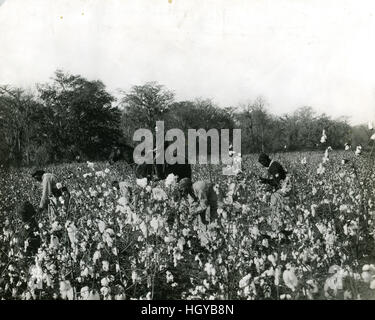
{"type": "Point", "coordinates": [202, 197]}
{"type": "Point", "coordinates": [276, 172]}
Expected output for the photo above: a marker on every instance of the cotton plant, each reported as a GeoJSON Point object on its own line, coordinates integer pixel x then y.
{"type": "Point", "coordinates": [109, 245]}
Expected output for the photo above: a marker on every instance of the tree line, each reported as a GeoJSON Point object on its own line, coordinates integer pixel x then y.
{"type": "Point", "coordinates": [71, 118]}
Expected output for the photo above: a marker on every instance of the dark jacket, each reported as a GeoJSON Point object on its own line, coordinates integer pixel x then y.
{"type": "Point", "coordinates": [276, 173]}
{"type": "Point", "coordinates": [161, 171]}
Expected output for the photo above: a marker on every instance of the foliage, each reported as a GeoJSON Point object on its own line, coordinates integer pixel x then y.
{"type": "Point", "coordinates": [69, 117]}
{"type": "Point", "coordinates": [72, 118]}
{"type": "Point", "coordinates": [84, 120]}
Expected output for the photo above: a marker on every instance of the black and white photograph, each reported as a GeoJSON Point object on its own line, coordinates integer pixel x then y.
{"type": "Point", "coordinates": [187, 150]}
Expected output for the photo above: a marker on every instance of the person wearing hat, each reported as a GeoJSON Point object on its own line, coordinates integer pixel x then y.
{"type": "Point", "coordinates": [276, 172]}
{"type": "Point", "coordinates": [280, 186]}
{"type": "Point", "coordinates": [237, 187]}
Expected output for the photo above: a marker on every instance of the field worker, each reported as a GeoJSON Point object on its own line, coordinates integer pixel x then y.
{"type": "Point", "coordinates": [203, 202]}
{"type": "Point", "coordinates": [53, 194]}
{"type": "Point", "coordinates": [202, 196]}
{"type": "Point", "coordinates": [280, 187]}
{"type": "Point", "coordinates": [29, 234]}
{"type": "Point", "coordinates": [237, 188]}
{"type": "Point", "coordinates": [276, 172]}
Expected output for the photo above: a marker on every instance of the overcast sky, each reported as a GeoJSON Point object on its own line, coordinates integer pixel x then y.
{"type": "Point", "coordinates": [291, 52]}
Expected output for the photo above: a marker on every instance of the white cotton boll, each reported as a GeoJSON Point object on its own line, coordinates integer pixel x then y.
{"type": "Point", "coordinates": [123, 201]}
{"type": "Point", "coordinates": [100, 174]}
{"type": "Point", "coordinates": [143, 228]}
{"type": "Point", "coordinates": [373, 137]}
{"type": "Point", "coordinates": [72, 233]}
{"type": "Point", "coordinates": [366, 267]}
{"type": "Point", "coordinates": [154, 224]}
{"type": "Point", "coordinates": [114, 251]}
{"type": "Point", "coordinates": [244, 282]}
{"type": "Point", "coordinates": [101, 226]}
{"type": "Point", "coordinates": [159, 194]}
{"type": "Point", "coordinates": [99, 246]}
{"type": "Point", "coordinates": [90, 165]}
{"type": "Point", "coordinates": [93, 193]}
{"type": "Point", "coordinates": [180, 244]}
{"type": "Point", "coordinates": [209, 268]}
{"type": "Point", "coordinates": [358, 150]}
{"type": "Point", "coordinates": [168, 239]}
{"type": "Point", "coordinates": [265, 243]}
{"type": "Point", "coordinates": [171, 180]}
{"type": "Point", "coordinates": [55, 226]}
{"type": "Point", "coordinates": [66, 290]}
{"type": "Point", "coordinates": [142, 182]}
{"type": "Point", "coordinates": [104, 282]}
{"type": "Point", "coordinates": [109, 231]}
{"type": "Point", "coordinates": [85, 272]}
{"type": "Point", "coordinates": [96, 256]}
{"type": "Point", "coordinates": [105, 265]}
{"type": "Point", "coordinates": [272, 259]}
{"type": "Point", "coordinates": [366, 276]}
{"type": "Point", "coordinates": [185, 232]}
{"type": "Point", "coordinates": [85, 293]}
{"type": "Point", "coordinates": [169, 277]}
{"type": "Point", "coordinates": [290, 279]}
